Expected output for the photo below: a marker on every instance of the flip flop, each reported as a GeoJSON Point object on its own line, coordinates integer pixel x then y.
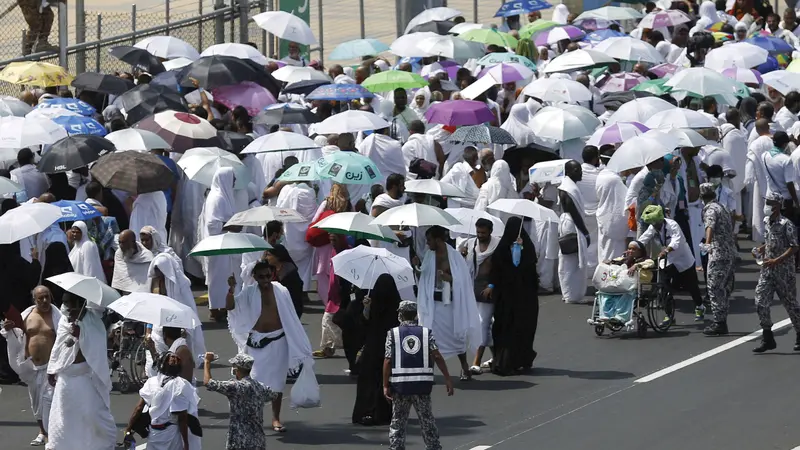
{"type": "Point", "coordinates": [280, 429]}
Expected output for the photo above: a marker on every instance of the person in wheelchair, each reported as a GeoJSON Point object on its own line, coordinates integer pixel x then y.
{"type": "Point", "coordinates": [635, 258]}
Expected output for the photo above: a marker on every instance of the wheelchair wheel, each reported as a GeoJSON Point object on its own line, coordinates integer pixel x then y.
{"type": "Point", "coordinates": [138, 362]}
{"type": "Point", "coordinates": [661, 311]}
{"type": "Point", "coordinates": [599, 329]}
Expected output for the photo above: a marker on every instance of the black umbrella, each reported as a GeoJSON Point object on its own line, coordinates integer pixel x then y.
{"type": "Point", "coordinates": [285, 114]}
{"type": "Point", "coordinates": [134, 172]}
{"type": "Point", "coordinates": [170, 79]}
{"type": "Point", "coordinates": [103, 83]}
{"type": "Point", "coordinates": [613, 100]}
{"type": "Point", "coordinates": [234, 142]}
{"type": "Point", "coordinates": [217, 70]}
{"type": "Point", "coordinates": [482, 134]}
{"type": "Point", "coordinates": [138, 57]}
{"type": "Point", "coordinates": [73, 152]}
{"type": "Point", "coordinates": [532, 152]}
{"type": "Point", "coordinates": [439, 27]}
{"type": "Point", "coordinates": [304, 87]}
{"type": "Point", "coordinates": [145, 100]}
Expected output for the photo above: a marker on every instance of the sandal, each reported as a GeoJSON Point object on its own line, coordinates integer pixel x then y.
{"type": "Point", "coordinates": [475, 370]}
{"type": "Point", "coordinates": [326, 352]}
{"type": "Point", "coordinates": [465, 377]}
{"type": "Point", "coordinates": [278, 428]}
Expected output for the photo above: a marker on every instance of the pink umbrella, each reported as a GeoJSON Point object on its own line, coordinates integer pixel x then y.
{"type": "Point", "coordinates": [746, 76]}
{"type": "Point", "coordinates": [459, 112]}
{"type": "Point", "coordinates": [620, 82]}
{"type": "Point", "coordinates": [662, 70]}
{"type": "Point", "coordinates": [251, 96]}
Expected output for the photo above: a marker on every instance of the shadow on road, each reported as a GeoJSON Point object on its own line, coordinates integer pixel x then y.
{"type": "Point", "coordinates": [584, 374]}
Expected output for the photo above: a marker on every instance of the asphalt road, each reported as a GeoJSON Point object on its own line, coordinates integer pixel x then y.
{"type": "Point", "coordinates": [679, 390]}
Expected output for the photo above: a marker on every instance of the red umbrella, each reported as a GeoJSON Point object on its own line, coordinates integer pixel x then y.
{"type": "Point", "coordinates": [459, 112]}
{"type": "Point", "coordinates": [183, 131]}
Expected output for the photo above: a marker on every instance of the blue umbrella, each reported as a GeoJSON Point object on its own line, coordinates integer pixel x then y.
{"type": "Point", "coordinates": [601, 35]}
{"type": "Point", "coordinates": [72, 211]}
{"type": "Point", "coordinates": [81, 125]}
{"type": "Point", "coordinates": [70, 104]}
{"type": "Point", "coordinates": [770, 65]}
{"type": "Point", "coordinates": [416, 63]}
{"type": "Point", "coordinates": [340, 92]}
{"type": "Point", "coordinates": [358, 48]}
{"type": "Point", "coordinates": [771, 44]}
{"type": "Point", "coordinates": [515, 8]}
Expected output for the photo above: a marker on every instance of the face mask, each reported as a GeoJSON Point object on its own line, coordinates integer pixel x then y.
{"type": "Point", "coordinates": [715, 181]}
{"type": "Point", "coordinates": [233, 372]}
{"type": "Point", "coordinates": [768, 210]}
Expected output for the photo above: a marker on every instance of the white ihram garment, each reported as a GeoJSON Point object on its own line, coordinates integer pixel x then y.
{"type": "Point", "coordinates": [612, 218]}
{"type": "Point", "coordinates": [84, 256]}
{"type": "Point", "coordinates": [756, 176]}
{"type": "Point", "coordinates": [301, 198]}
{"type": "Point", "coordinates": [149, 209]}
{"type": "Point", "coordinates": [174, 396]}
{"type": "Point", "coordinates": [572, 268]}
{"type": "Point", "coordinates": [588, 189]}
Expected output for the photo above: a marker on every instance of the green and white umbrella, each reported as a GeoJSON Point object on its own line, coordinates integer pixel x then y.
{"type": "Point", "coordinates": [230, 244]}
{"type": "Point", "coordinates": [415, 215]}
{"type": "Point", "coordinates": [393, 79]}
{"type": "Point", "coordinates": [357, 225]}
{"type": "Point", "coordinates": [348, 168]}
{"type": "Point", "coordinates": [306, 171]}
{"type": "Point", "coordinates": [506, 57]}
{"type": "Point", "coordinates": [258, 217]}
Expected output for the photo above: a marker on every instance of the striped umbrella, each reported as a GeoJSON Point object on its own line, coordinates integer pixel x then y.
{"type": "Point", "coordinates": [662, 70]}
{"type": "Point", "coordinates": [554, 35]}
{"type": "Point", "coordinates": [619, 132]}
{"type": "Point", "coordinates": [620, 82]}
{"type": "Point", "coordinates": [482, 134]}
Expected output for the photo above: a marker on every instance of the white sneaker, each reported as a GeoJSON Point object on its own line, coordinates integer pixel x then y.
{"type": "Point", "coordinates": [487, 364]}
{"type": "Point", "coordinates": [39, 441]}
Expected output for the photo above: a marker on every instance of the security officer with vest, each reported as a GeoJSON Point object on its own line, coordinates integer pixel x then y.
{"type": "Point", "coordinates": [408, 377]}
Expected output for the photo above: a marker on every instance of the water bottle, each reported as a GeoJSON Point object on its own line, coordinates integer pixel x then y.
{"type": "Point", "coordinates": [757, 255]}
{"type": "Point", "coordinates": [516, 253]}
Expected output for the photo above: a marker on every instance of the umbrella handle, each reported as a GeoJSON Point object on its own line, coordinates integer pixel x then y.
{"type": "Point", "coordinates": [522, 221]}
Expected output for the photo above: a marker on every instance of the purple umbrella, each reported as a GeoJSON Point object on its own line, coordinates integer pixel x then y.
{"type": "Point", "coordinates": [459, 112]}
{"type": "Point", "coordinates": [619, 132]}
{"type": "Point", "coordinates": [662, 70]}
{"type": "Point", "coordinates": [252, 96]}
{"type": "Point", "coordinates": [451, 67]}
{"type": "Point", "coordinates": [507, 72]}
{"type": "Point", "coordinates": [621, 82]}
{"type": "Point", "coordinates": [554, 35]}
{"type": "Point", "coordinates": [746, 76]}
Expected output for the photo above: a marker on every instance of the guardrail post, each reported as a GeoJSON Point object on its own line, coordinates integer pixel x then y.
{"type": "Point", "coordinates": [200, 27]}
{"type": "Point", "coordinates": [166, 16]}
{"type": "Point", "coordinates": [63, 35]}
{"type": "Point", "coordinates": [475, 11]}
{"type": "Point", "coordinates": [219, 22]}
{"type": "Point", "coordinates": [232, 14]}
{"type": "Point", "coordinates": [263, 8]}
{"type": "Point", "coordinates": [244, 18]}
{"type": "Point", "coordinates": [99, 37]}
{"type": "Point", "coordinates": [270, 38]}
{"type": "Point", "coordinates": [361, 18]}
{"type": "Point", "coordinates": [80, 36]}
{"type": "Point", "coordinates": [133, 24]}
{"type": "Point", "coordinates": [321, 35]}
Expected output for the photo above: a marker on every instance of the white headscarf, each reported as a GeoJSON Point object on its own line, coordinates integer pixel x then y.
{"type": "Point", "coordinates": [178, 285]}
{"type": "Point", "coordinates": [149, 209]}
{"type": "Point", "coordinates": [500, 185]}
{"type": "Point", "coordinates": [220, 204]}
{"type": "Point", "coordinates": [708, 17]}
{"type": "Point", "coordinates": [426, 94]}
{"type": "Point", "coordinates": [84, 256]}
{"type": "Point", "coordinates": [560, 14]}
{"type": "Point", "coordinates": [664, 48]}
{"type": "Point", "coordinates": [533, 107]}
{"type": "Point", "coordinates": [159, 246]}
{"type": "Point", "coordinates": [516, 125]}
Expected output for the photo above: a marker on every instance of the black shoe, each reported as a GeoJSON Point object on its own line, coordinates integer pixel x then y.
{"type": "Point", "coordinates": [716, 329]}
{"type": "Point", "coordinates": [767, 342]}
{"type": "Point", "coordinates": [797, 343]}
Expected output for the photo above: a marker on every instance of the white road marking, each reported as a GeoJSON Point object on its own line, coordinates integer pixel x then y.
{"type": "Point", "coordinates": [481, 447]}
{"type": "Point", "coordinates": [141, 446]}
{"type": "Point", "coordinates": [714, 351]}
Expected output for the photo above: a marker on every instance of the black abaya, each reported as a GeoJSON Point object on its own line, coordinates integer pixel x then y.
{"type": "Point", "coordinates": [516, 303]}
{"type": "Point", "coordinates": [56, 263]}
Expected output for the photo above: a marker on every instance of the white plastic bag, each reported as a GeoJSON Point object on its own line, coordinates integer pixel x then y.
{"type": "Point", "coordinates": [613, 279]}
{"type": "Point", "coordinates": [305, 392]}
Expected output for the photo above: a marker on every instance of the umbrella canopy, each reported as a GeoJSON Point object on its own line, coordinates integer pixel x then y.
{"type": "Point", "coordinates": [662, 19]}
{"type": "Point", "coordinates": [547, 171]}
{"type": "Point", "coordinates": [415, 215]}
{"type": "Point", "coordinates": [72, 211]}
{"type": "Point", "coordinates": [440, 27]}
{"type": "Point", "coordinates": [449, 67]}
{"type": "Point", "coordinates": [253, 97]}
{"type": "Point", "coordinates": [507, 72]}
{"type": "Point", "coordinates": [600, 35]}
{"type": "Point", "coordinates": [158, 310]}
{"type": "Point", "coordinates": [236, 50]}
{"type": "Point", "coordinates": [450, 47]}
{"type": "Point", "coordinates": [279, 141]}
{"type": "Point", "coordinates": [18, 132]}
{"type": "Point", "coordinates": [743, 55]}
{"type": "Point", "coordinates": [459, 112]}
{"type": "Point", "coordinates": [687, 137]}
{"type": "Point", "coordinates": [81, 125]}
{"type": "Point", "coordinates": [38, 74]}
{"type": "Point", "coordinates": [286, 113]}
{"type": "Point", "coordinates": [181, 130]}
{"type": "Point", "coordinates": [306, 171]}
{"type": "Point", "coordinates": [146, 100]}
{"type": "Point", "coordinates": [348, 168]}
{"type": "Point", "coordinates": [70, 104]}
{"type": "Point", "coordinates": [592, 24]}
{"type": "Point", "coordinates": [175, 64]}
{"type": "Point", "coordinates": [563, 124]}
{"type": "Point", "coordinates": [467, 218]}
{"type": "Point", "coordinates": [9, 187]}
{"type": "Point", "coordinates": [578, 59]}
{"type": "Point", "coordinates": [621, 82]}
{"type": "Point", "coordinates": [216, 71]}
{"type": "Point", "coordinates": [746, 76]}
{"type": "Point", "coordinates": [136, 139]}
{"type": "Point", "coordinates": [558, 90]}
{"type": "Point", "coordinates": [134, 172]}
{"type": "Point", "coordinates": [234, 142]}
{"type": "Point", "coordinates": [168, 47]}
{"type": "Point", "coordinates": [286, 26]}
{"type": "Point", "coordinates": [680, 118]}
{"type": "Point", "coordinates": [230, 244]}
{"type": "Point", "coordinates": [11, 106]}
{"type": "Point", "coordinates": [558, 34]}
{"type": "Point", "coordinates": [432, 15]}
{"type": "Point", "coordinates": [490, 36]}
{"type": "Point", "coordinates": [662, 70]}
{"type": "Point", "coordinates": [538, 25]}
{"type": "Point", "coordinates": [362, 266]}
{"type": "Point", "coordinates": [654, 87]}
{"type": "Point", "coordinates": [102, 83]}
{"type": "Point", "coordinates": [137, 57]}
{"type": "Point", "coordinates": [406, 45]}
{"type": "Point", "coordinates": [518, 207]}
{"type": "Point", "coordinates": [463, 27]}
{"type": "Point", "coordinates": [200, 164]}
{"type": "Point", "coordinates": [433, 187]}
{"type": "Point", "coordinates": [26, 220]}
{"type": "Point", "coordinates": [90, 288]}
{"type": "Point", "coordinates": [771, 44]}
{"type": "Point", "coordinates": [616, 133]}
{"type": "Point", "coordinates": [357, 225]}
{"type": "Point", "coordinates": [611, 13]}
{"type": "Point", "coordinates": [482, 134]}
{"type": "Point", "coordinates": [357, 48]}
{"type": "Point", "coordinates": [393, 79]}
{"type": "Point", "coordinates": [637, 152]}
{"type": "Point", "coordinates": [517, 8]}
{"type": "Point", "coordinates": [340, 92]}
{"type": "Point", "coordinates": [780, 80]}
{"type": "Point", "coordinates": [305, 87]}
{"type": "Point", "coordinates": [506, 57]}
{"type": "Point", "coordinates": [292, 74]}
{"type": "Point", "coordinates": [629, 49]}
{"type": "Point", "coordinates": [74, 152]}
{"type": "Point", "coordinates": [352, 121]}
{"type": "Point", "coordinates": [258, 217]}
{"type": "Point", "coordinates": [639, 110]}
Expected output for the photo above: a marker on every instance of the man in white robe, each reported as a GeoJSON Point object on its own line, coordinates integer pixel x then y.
{"type": "Point", "coordinates": [756, 177]}
{"type": "Point", "coordinates": [131, 263]}
{"type": "Point", "coordinates": [80, 416]}
{"type": "Point", "coordinates": [572, 266]}
{"type": "Point", "coordinates": [588, 187]}
{"type": "Point", "coordinates": [301, 198]}
{"type": "Point", "coordinates": [612, 215]}
{"type": "Point", "coordinates": [446, 300]}
{"type": "Point", "coordinates": [499, 186]}
{"type": "Point", "coordinates": [787, 116]}
{"type": "Point", "coordinates": [734, 143]}
{"type": "Point", "coordinates": [460, 176]}
{"type": "Point", "coordinates": [422, 146]}
{"type": "Point", "coordinates": [398, 114]}
{"type": "Point", "coordinates": [184, 230]}
{"type": "Point", "coordinates": [766, 111]}
{"type": "Point", "coordinates": [392, 198]}
{"type": "Point", "coordinates": [264, 325]}
{"type": "Point", "coordinates": [385, 152]}
{"type": "Point", "coordinates": [149, 209]}
{"type": "Point", "coordinates": [33, 182]}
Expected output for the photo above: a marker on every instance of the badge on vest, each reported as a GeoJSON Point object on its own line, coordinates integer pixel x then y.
{"type": "Point", "coordinates": [411, 344]}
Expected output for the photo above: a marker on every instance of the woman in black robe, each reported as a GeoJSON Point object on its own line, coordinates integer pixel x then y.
{"type": "Point", "coordinates": [56, 257]}
{"type": "Point", "coordinates": [516, 302]}
{"type": "Point", "coordinates": [60, 188]}
{"type": "Point", "coordinates": [371, 408]}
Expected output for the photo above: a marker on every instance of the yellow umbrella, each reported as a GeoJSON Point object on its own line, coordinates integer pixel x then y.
{"type": "Point", "coordinates": [38, 74]}
{"type": "Point", "coordinates": [794, 66]}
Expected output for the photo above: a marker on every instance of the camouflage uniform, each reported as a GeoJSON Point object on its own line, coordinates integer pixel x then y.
{"type": "Point", "coordinates": [40, 23]}
{"type": "Point", "coordinates": [779, 279]}
{"type": "Point", "coordinates": [721, 259]}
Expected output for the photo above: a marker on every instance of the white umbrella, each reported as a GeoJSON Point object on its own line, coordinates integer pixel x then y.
{"type": "Point", "coordinates": [292, 74]}
{"type": "Point", "coordinates": [518, 207]}
{"type": "Point", "coordinates": [629, 49]}
{"type": "Point", "coordinates": [168, 47]}
{"type": "Point", "coordinates": [159, 310]}
{"type": "Point", "coordinates": [363, 265]}
{"type": "Point", "coordinates": [279, 141]}
{"type": "Point", "coordinates": [27, 220]}
{"type": "Point", "coordinates": [743, 55]}
{"type": "Point", "coordinates": [10, 106]}
{"type": "Point", "coordinates": [637, 152]}
{"type": "Point", "coordinates": [9, 187]}
{"type": "Point", "coordinates": [406, 45]}
{"type": "Point", "coordinates": [415, 215]}
{"type": "Point", "coordinates": [660, 19]}
{"type": "Point", "coordinates": [562, 124]}
{"type": "Point", "coordinates": [432, 15]}
{"type": "Point", "coordinates": [679, 118]}
{"type": "Point", "coordinates": [351, 121]}
{"type": "Point", "coordinates": [782, 81]}
{"type": "Point", "coordinates": [450, 47]}
{"type": "Point", "coordinates": [18, 132]}
{"type": "Point", "coordinates": [137, 139]}
{"type": "Point", "coordinates": [611, 13]}
{"type": "Point", "coordinates": [434, 187]}
{"type": "Point", "coordinates": [547, 171]}
{"type": "Point", "coordinates": [90, 288]}
{"type": "Point", "coordinates": [286, 26]}
{"type": "Point", "coordinates": [258, 217]}
{"type": "Point", "coordinates": [177, 63]}
{"type": "Point", "coordinates": [50, 113]}
{"type": "Point", "coordinates": [200, 165]}
{"type": "Point", "coordinates": [464, 27]}
{"type": "Point", "coordinates": [467, 218]}
{"type": "Point", "coordinates": [664, 137]}
{"type": "Point", "coordinates": [241, 51]}
{"type": "Point", "coordinates": [578, 59]}
{"type": "Point", "coordinates": [687, 137]}
{"type": "Point", "coordinates": [558, 90]}
{"type": "Point", "coordinates": [702, 81]}
{"type": "Point", "coordinates": [639, 110]}
{"type": "Point", "coordinates": [356, 224]}
{"type": "Point", "coordinates": [230, 244]}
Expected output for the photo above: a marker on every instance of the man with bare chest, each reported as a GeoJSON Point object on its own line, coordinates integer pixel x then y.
{"type": "Point", "coordinates": [265, 326]}
{"type": "Point", "coordinates": [29, 347]}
